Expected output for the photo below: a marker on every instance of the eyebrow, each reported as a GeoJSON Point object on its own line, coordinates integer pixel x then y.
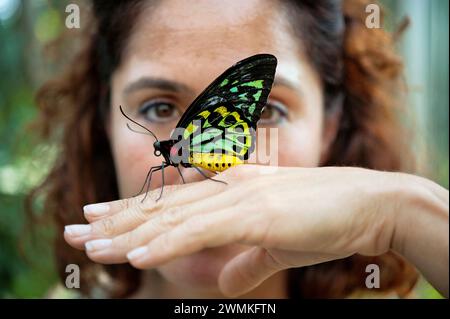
{"type": "Point", "coordinates": [177, 87]}
{"type": "Point", "coordinates": [281, 81]}
{"type": "Point", "coordinates": [156, 83]}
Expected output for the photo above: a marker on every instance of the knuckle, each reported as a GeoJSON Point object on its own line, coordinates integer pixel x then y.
{"type": "Point", "coordinates": [126, 203]}
{"type": "Point", "coordinates": [172, 216]}
{"type": "Point", "coordinates": [152, 196]}
{"type": "Point", "coordinates": [106, 226]}
{"type": "Point", "coordinates": [156, 197]}
{"type": "Point", "coordinates": [148, 208]}
{"type": "Point", "coordinates": [137, 214]}
{"type": "Point", "coordinates": [126, 240]}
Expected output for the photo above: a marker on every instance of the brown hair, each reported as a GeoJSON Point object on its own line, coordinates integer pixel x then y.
{"type": "Point", "coordinates": [361, 77]}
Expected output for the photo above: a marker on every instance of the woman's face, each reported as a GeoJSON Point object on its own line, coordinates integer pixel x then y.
{"type": "Point", "coordinates": [185, 45]}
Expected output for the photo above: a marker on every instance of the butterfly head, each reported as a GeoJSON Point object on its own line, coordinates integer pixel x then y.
{"type": "Point", "coordinates": [164, 148]}
{"type": "Point", "coordinates": [157, 147]}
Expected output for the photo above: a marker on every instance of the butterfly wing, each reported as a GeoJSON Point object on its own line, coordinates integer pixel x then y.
{"type": "Point", "coordinates": [221, 122]}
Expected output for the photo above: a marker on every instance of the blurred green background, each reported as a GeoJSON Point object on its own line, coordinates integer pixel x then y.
{"type": "Point", "coordinates": [26, 26]}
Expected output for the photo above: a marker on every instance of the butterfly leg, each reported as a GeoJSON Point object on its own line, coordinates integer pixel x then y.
{"type": "Point", "coordinates": [179, 172]}
{"type": "Point", "coordinates": [203, 174]}
{"type": "Point", "coordinates": [149, 174]}
{"type": "Point", "coordinates": [164, 164]}
{"type": "Point", "coordinates": [152, 170]}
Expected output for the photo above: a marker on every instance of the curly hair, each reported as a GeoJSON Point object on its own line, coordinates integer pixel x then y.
{"type": "Point", "coordinates": [361, 76]}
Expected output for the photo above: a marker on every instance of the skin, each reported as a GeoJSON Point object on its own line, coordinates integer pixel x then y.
{"type": "Point", "coordinates": [207, 239]}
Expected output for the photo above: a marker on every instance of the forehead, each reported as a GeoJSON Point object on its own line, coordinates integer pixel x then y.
{"type": "Point", "coordinates": [208, 35]}
{"type": "Point", "coordinates": [206, 26]}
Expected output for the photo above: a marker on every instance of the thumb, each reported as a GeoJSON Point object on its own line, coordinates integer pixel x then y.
{"type": "Point", "coordinates": [246, 271]}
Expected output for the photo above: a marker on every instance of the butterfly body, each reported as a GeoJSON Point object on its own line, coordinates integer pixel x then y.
{"type": "Point", "coordinates": [210, 161]}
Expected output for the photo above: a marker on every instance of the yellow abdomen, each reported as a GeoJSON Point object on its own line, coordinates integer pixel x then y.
{"type": "Point", "coordinates": [214, 162]}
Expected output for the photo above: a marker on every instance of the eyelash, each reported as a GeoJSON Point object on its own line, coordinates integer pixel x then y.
{"type": "Point", "coordinates": [280, 108]}
{"type": "Point", "coordinates": [148, 105]}
{"type": "Point", "coordinates": [275, 105]}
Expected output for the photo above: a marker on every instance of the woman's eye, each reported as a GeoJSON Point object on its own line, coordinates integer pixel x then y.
{"type": "Point", "coordinates": [274, 113]}
{"type": "Point", "coordinates": [159, 111]}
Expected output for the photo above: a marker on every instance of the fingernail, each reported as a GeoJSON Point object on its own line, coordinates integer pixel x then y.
{"type": "Point", "coordinates": [96, 209]}
{"type": "Point", "coordinates": [78, 230]}
{"type": "Point", "coordinates": [97, 244]}
{"type": "Point", "coordinates": [137, 253]}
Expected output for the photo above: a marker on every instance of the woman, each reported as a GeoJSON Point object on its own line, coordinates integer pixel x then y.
{"type": "Point", "coordinates": [301, 230]}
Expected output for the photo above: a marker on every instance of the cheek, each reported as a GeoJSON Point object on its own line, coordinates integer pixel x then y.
{"type": "Point", "coordinates": [300, 143]}
{"type": "Point", "coordinates": [297, 143]}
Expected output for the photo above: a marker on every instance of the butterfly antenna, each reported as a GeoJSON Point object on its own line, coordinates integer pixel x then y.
{"type": "Point", "coordinates": [136, 131]}
{"type": "Point", "coordinates": [151, 133]}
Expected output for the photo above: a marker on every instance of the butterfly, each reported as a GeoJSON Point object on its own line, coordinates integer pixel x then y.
{"type": "Point", "coordinates": [218, 129]}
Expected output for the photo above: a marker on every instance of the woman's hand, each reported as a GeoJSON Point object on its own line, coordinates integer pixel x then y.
{"type": "Point", "coordinates": [292, 217]}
